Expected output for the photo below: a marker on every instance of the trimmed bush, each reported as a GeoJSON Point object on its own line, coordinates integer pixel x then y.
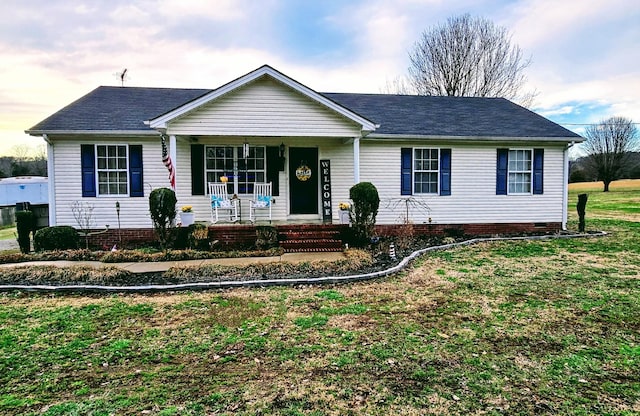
{"type": "Point", "coordinates": [61, 237]}
{"type": "Point", "coordinates": [162, 206]}
{"type": "Point", "coordinates": [365, 209]}
{"type": "Point", "coordinates": [25, 224]}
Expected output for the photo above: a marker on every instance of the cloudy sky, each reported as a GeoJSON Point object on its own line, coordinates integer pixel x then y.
{"type": "Point", "coordinates": [585, 53]}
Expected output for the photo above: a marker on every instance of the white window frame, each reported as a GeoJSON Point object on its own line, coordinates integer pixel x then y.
{"type": "Point", "coordinates": [108, 170]}
{"type": "Point", "coordinates": [415, 171]}
{"type": "Point", "coordinates": [233, 185]}
{"type": "Point", "coordinates": [519, 172]}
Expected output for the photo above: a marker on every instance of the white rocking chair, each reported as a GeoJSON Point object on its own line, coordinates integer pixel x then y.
{"type": "Point", "coordinates": [220, 201]}
{"type": "Point", "coordinates": [261, 200]}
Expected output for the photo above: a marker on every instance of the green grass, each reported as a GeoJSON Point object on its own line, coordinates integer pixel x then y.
{"type": "Point", "coordinates": [622, 201]}
{"type": "Point", "coordinates": [546, 327]}
{"type": "Point", "coordinates": [8, 233]}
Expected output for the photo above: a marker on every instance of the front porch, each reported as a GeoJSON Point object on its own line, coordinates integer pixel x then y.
{"type": "Point", "coordinates": [312, 237]}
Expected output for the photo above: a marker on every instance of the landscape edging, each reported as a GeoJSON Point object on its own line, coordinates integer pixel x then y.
{"type": "Point", "coordinates": [280, 282]}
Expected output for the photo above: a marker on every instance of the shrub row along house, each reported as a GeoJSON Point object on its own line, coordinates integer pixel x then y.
{"type": "Point", "coordinates": [481, 164]}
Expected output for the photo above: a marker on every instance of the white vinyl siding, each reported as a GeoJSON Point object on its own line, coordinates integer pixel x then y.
{"type": "Point", "coordinates": [473, 177]}
{"type": "Point", "coordinates": [264, 108]}
{"type": "Point", "coordinates": [134, 212]}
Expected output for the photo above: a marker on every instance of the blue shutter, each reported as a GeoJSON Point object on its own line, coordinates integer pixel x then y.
{"type": "Point", "coordinates": [197, 169]}
{"type": "Point", "coordinates": [88, 169]}
{"type": "Point", "coordinates": [538, 167]}
{"type": "Point", "coordinates": [273, 169]}
{"type": "Point", "coordinates": [445, 172]}
{"type": "Point", "coordinates": [135, 171]}
{"type": "Point", "coordinates": [502, 171]}
{"type": "Point", "coordinates": [405, 171]}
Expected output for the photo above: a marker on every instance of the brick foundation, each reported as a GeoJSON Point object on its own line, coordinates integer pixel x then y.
{"type": "Point", "coordinates": [470, 229]}
{"type": "Point", "coordinates": [244, 236]}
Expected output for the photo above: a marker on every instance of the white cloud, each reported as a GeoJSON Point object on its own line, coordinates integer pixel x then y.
{"type": "Point", "coordinates": [218, 10]}
{"type": "Point", "coordinates": [547, 22]}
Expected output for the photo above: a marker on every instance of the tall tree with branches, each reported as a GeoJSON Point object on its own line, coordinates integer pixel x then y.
{"type": "Point", "coordinates": [608, 146]}
{"type": "Point", "coordinates": [469, 57]}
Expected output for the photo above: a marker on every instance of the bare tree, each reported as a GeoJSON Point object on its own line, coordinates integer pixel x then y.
{"type": "Point", "coordinates": [28, 160]}
{"type": "Point", "coordinates": [469, 57]}
{"type": "Point", "coordinates": [83, 214]}
{"type": "Point", "coordinates": [608, 145]}
{"type": "Point", "coordinates": [400, 85]}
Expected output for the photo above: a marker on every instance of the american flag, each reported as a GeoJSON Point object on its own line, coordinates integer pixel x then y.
{"type": "Point", "coordinates": [166, 159]}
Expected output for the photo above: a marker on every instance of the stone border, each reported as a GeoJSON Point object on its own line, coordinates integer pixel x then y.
{"type": "Point", "coordinates": [279, 282]}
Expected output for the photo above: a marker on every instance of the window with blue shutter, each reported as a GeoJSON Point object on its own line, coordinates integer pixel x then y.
{"type": "Point", "coordinates": [197, 169]}
{"type": "Point", "coordinates": [111, 169]}
{"type": "Point", "coordinates": [538, 174]}
{"type": "Point", "coordinates": [445, 172]}
{"type": "Point", "coordinates": [406, 183]}
{"type": "Point", "coordinates": [502, 171]}
{"type": "Point", "coordinates": [425, 171]}
{"type": "Point", "coordinates": [136, 187]}
{"type": "Point", "coordinates": [273, 169]}
{"type": "Point", "coordinates": [88, 167]}
{"type": "Point", "coordinates": [520, 172]}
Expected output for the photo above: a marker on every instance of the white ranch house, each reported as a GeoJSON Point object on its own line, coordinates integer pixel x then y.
{"type": "Point", "coordinates": [442, 161]}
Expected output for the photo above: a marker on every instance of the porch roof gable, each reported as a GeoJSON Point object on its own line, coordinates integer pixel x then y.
{"type": "Point", "coordinates": [160, 122]}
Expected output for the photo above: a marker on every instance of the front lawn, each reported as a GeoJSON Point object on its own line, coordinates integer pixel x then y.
{"type": "Point", "coordinates": [544, 327]}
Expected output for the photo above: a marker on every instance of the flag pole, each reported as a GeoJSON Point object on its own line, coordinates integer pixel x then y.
{"type": "Point", "coordinates": [168, 163]}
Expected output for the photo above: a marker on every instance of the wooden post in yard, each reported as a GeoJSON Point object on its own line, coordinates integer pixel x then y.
{"type": "Point", "coordinates": [582, 205]}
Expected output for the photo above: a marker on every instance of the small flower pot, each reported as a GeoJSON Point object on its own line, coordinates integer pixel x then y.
{"type": "Point", "coordinates": [187, 218]}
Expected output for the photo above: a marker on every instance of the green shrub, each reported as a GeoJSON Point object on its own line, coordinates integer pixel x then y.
{"type": "Point", "coordinates": [61, 237]}
{"type": "Point", "coordinates": [162, 205]}
{"type": "Point", "coordinates": [25, 224]}
{"type": "Point", "coordinates": [363, 214]}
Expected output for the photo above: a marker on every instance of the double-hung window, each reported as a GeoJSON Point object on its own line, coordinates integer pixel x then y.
{"type": "Point", "coordinates": [230, 161]}
{"type": "Point", "coordinates": [425, 171]}
{"type": "Point", "coordinates": [520, 171]}
{"type": "Point", "coordinates": [111, 170]}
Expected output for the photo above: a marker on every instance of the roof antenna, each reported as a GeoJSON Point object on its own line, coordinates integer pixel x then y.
{"type": "Point", "coordinates": [122, 76]}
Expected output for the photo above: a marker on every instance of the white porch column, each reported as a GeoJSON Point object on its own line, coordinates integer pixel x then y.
{"type": "Point", "coordinates": [172, 154]}
{"type": "Point", "coordinates": [356, 160]}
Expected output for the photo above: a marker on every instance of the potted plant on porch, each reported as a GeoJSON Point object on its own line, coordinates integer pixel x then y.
{"type": "Point", "coordinates": [343, 213]}
{"type": "Point", "coordinates": [187, 216]}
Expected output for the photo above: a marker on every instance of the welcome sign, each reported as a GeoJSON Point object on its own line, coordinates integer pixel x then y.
{"type": "Point", "coordinates": [325, 185]}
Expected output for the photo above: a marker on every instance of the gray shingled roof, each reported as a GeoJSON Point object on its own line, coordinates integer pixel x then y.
{"type": "Point", "coordinates": [449, 116]}
{"type": "Point", "coordinates": [125, 109]}
{"type": "Point", "coordinates": [116, 109]}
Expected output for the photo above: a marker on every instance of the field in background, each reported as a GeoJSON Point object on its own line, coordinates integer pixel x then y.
{"type": "Point", "coordinates": [621, 202]}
